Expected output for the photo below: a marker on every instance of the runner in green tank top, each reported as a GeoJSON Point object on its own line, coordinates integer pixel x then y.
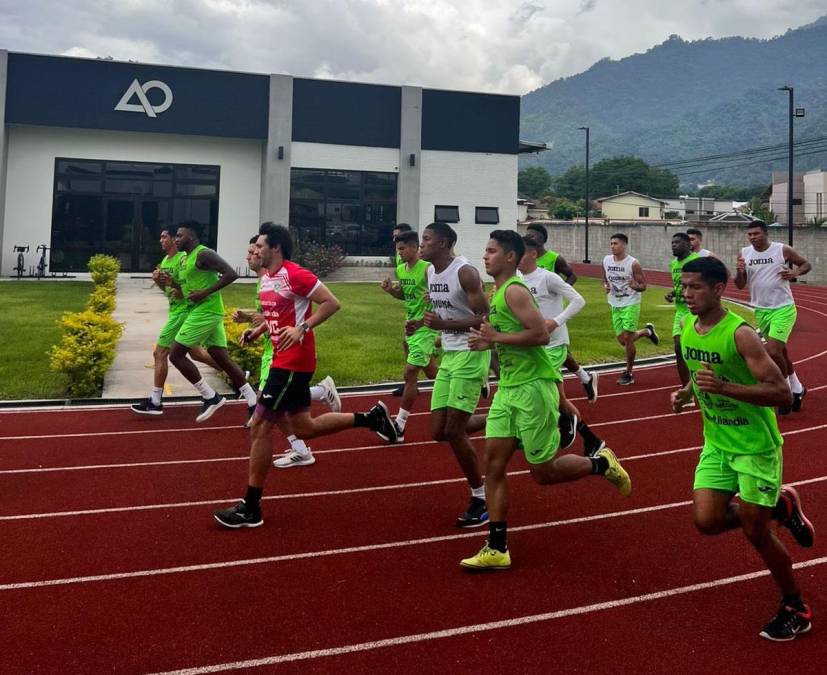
{"type": "Point", "coordinates": [736, 385]}
{"type": "Point", "coordinates": [523, 414]}
{"type": "Point", "coordinates": [412, 274]}
{"type": "Point", "coordinates": [399, 228]}
{"type": "Point", "coordinates": [683, 253]}
{"type": "Point", "coordinates": [205, 274]}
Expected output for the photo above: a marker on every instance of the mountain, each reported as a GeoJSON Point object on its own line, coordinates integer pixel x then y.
{"type": "Point", "coordinates": [681, 100]}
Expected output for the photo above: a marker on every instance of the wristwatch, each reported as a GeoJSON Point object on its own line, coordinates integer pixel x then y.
{"type": "Point", "coordinates": [303, 325]}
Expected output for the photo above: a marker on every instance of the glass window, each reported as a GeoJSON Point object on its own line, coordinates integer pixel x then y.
{"type": "Point", "coordinates": [78, 185]}
{"type": "Point", "coordinates": [137, 187]}
{"type": "Point", "coordinates": [643, 211]}
{"type": "Point", "coordinates": [79, 167]}
{"type": "Point", "coordinates": [306, 191]}
{"type": "Point", "coordinates": [197, 172]}
{"type": "Point", "coordinates": [137, 170]}
{"type": "Point", "coordinates": [194, 190]}
{"type": "Point", "coordinates": [446, 214]}
{"type": "Point", "coordinates": [344, 185]}
{"type": "Point", "coordinates": [486, 215]}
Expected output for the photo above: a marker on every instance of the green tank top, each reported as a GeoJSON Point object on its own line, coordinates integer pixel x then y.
{"type": "Point", "coordinates": [197, 280]}
{"type": "Point", "coordinates": [676, 266]}
{"type": "Point", "coordinates": [174, 266]}
{"type": "Point", "coordinates": [731, 426]}
{"type": "Point", "coordinates": [518, 365]}
{"type": "Point", "coordinates": [414, 284]}
{"type": "Point", "coordinates": [548, 260]}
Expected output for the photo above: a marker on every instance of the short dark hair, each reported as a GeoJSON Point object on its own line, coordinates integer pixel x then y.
{"type": "Point", "coordinates": [407, 238]}
{"type": "Point", "coordinates": [194, 226]}
{"type": "Point", "coordinates": [532, 243]}
{"type": "Point", "coordinates": [510, 241]}
{"type": "Point", "coordinates": [757, 223]}
{"type": "Point", "coordinates": [695, 231]}
{"type": "Point", "coordinates": [444, 231]}
{"type": "Point", "coordinates": [403, 227]}
{"type": "Point", "coordinates": [621, 236]}
{"type": "Point", "coordinates": [254, 239]}
{"type": "Point", "coordinates": [278, 235]}
{"type": "Point", "coordinates": [683, 236]}
{"type": "Point", "coordinates": [539, 229]}
{"type": "Point", "coordinates": [712, 270]}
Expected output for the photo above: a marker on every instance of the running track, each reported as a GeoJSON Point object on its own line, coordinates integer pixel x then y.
{"type": "Point", "coordinates": [111, 561]}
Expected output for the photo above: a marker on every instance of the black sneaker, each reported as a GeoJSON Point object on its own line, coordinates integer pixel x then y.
{"type": "Point", "coordinates": [626, 379]}
{"type": "Point", "coordinates": [398, 391]}
{"type": "Point", "coordinates": [475, 515]}
{"type": "Point", "coordinates": [590, 449]}
{"type": "Point", "coordinates": [147, 408]}
{"type": "Point", "coordinates": [239, 515]}
{"type": "Point", "coordinates": [209, 406]}
{"type": "Point", "coordinates": [653, 336]}
{"type": "Point", "coordinates": [591, 387]}
{"type": "Point", "coordinates": [798, 399]}
{"type": "Point", "coordinates": [788, 623]}
{"type": "Point", "coordinates": [379, 420]}
{"type": "Point", "coordinates": [568, 429]}
{"type": "Point", "coordinates": [400, 433]}
{"type": "Point", "coordinates": [794, 519]}
{"type": "Point", "coordinates": [785, 409]}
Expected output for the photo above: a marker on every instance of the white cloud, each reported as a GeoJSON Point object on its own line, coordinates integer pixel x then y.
{"type": "Point", "coordinates": [488, 45]}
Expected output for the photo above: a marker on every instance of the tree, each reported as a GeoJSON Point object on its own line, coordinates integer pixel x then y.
{"type": "Point", "coordinates": [757, 209]}
{"type": "Point", "coordinates": [734, 192]}
{"type": "Point", "coordinates": [534, 181]}
{"type": "Point", "coordinates": [565, 209]}
{"type": "Point", "coordinates": [617, 174]}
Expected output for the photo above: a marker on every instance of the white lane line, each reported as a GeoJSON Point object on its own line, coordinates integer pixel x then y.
{"type": "Point", "coordinates": [483, 627]}
{"type": "Point", "coordinates": [122, 433]}
{"type": "Point", "coordinates": [352, 549]}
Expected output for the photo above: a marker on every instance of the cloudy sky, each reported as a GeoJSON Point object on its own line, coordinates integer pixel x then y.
{"type": "Point", "coordinates": [509, 46]}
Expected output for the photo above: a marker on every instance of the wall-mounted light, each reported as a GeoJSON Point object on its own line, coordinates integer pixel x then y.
{"type": "Point", "coordinates": [412, 159]}
{"type": "Point", "coordinates": [280, 153]}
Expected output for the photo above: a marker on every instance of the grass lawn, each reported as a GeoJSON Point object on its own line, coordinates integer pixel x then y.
{"type": "Point", "coordinates": [30, 310]}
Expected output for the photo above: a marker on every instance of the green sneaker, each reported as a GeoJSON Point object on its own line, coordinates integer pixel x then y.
{"type": "Point", "coordinates": [488, 559]}
{"type": "Point", "coordinates": [616, 474]}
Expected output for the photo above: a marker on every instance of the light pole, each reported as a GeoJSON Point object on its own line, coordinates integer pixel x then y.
{"type": "Point", "coordinates": [586, 256]}
{"type": "Point", "coordinates": [794, 112]}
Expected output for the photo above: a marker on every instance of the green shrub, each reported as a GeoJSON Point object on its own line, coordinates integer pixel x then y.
{"type": "Point", "coordinates": [248, 357]}
{"type": "Point", "coordinates": [320, 259]}
{"type": "Point", "coordinates": [104, 269]}
{"type": "Point", "coordinates": [102, 299]}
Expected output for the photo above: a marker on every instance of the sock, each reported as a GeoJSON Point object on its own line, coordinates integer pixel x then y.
{"type": "Point", "coordinates": [206, 391]}
{"type": "Point", "coordinates": [600, 465]}
{"type": "Point", "coordinates": [795, 384]}
{"type": "Point", "coordinates": [583, 376]}
{"type": "Point", "coordinates": [317, 393]}
{"type": "Point", "coordinates": [402, 418]}
{"type": "Point", "coordinates": [794, 601]}
{"type": "Point", "coordinates": [781, 510]}
{"type": "Point", "coordinates": [248, 393]}
{"type": "Point", "coordinates": [253, 497]}
{"type": "Point", "coordinates": [497, 534]}
{"type": "Point", "coordinates": [155, 396]}
{"type": "Point", "coordinates": [361, 420]}
{"type": "Point", "coordinates": [588, 435]}
{"type": "Point", "coordinates": [479, 492]}
{"type": "Point", "coordinates": [298, 445]}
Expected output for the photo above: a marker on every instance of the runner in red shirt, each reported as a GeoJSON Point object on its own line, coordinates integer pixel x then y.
{"type": "Point", "coordinates": [287, 294]}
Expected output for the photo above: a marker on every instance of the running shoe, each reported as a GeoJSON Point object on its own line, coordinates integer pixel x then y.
{"type": "Point", "coordinates": [400, 433]}
{"type": "Point", "coordinates": [147, 407]}
{"type": "Point", "coordinates": [568, 429]}
{"type": "Point", "coordinates": [626, 379]}
{"type": "Point", "coordinates": [793, 517]}
{"type": "Point", "coordinates": [488, 559]}
{"type": "Point", "coordinates": [590, 449]}
{"type": "Point", "coordinates": [653, 336]}
{"type": "Point", "coordinates": [788, 623]}
{"type": "Point", "coordinates": [331, 394]}
{"type": "Point", "coordinates": [591, 387]}
{"type": "Point", "coordinates": [379, 420]}
{"type": "Point", "coordinates": [238, 516]}
{"type": "Point", "coordinates": [294, 458]}
{"type": "Point", "coordinates": [475, 515]}
{"type": "Point", "coordinates": [798, 399]}
{"type": "Point", "coordinates": [616, 474]}
{"type": "Point", "coordinates": [209, 406]}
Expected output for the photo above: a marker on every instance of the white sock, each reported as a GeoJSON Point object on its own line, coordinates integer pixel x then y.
{"type": "Point", "coordinates": [297, 444]}
{"type": "Point", "coordinates": [206, 391]}
{"type": "Point", "coordinates": [317, 393]}
{"type": "Point", "coordinates": [155, 396]}
{"type": "Point", "coordinates": [479, 492]}
{"type": "Point", "coordinates": [795, 385]}
{"type": "Point", "coordinates": [583, 376]}
{"type": "Point", "coordinates": [402, 418]}
{"type": "Point", "coordinates": [248, 393]}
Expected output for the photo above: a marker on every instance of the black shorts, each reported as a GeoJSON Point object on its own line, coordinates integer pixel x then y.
{"type": "Point", "coordinates": [286, 391]}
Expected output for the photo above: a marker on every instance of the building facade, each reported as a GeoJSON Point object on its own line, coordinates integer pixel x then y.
{"type": "Point", "coordinates": [98, 156]}
{"type": "Point", "coordinates": [631, 206]}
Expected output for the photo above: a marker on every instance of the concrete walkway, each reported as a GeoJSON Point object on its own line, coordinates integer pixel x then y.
{"type": "Point", "coordinates": [142, 308]}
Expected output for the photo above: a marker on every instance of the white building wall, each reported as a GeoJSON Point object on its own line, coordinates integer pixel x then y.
{"type": "Point", "coordinates": [31, 164]}
{"type": "Point", "coordinates": [468, 180]}
{"type": "Point", "coordinates": [343, 157]}
{"type": "Point", "coordinates": [627, 207]}
{"type": "Point", "coordinates": [815, 195]}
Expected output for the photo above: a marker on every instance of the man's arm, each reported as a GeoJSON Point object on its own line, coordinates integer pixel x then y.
{"type": "Point", "coordinates": [328, 305]}
{"type": "Point", "coordinates": [801, 264]}
{"type": "Point", "coordinates": [210, 260]}
{"type": "Point", "coordinates": [576, 301]}
{"type": "Point", "coordinates": [740, 272]}
{"type": "Point", "coordinates": [390, 289]}
{"type": "Point", "coordinates": [471, 283]}
{"type": "Point", "coordinates": [771, 390]}
{"type": "Point", "coordinates": [638, 278]}
{"type": "Point", "coordinates": [522, 306]}
{"type": "Point", "coordinates": [563, 268]}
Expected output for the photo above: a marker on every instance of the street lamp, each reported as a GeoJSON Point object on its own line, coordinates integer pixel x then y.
{"type": "Point", "coordinates": [794, 112]}
{"type": "Point", "coordinates": [586, 256]}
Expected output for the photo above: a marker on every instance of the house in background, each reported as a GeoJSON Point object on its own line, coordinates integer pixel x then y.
{"type": "Point", "coordinates": [632, 206]}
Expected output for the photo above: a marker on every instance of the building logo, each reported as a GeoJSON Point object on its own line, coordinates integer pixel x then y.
{"type": "Point", "coordinates": [144, 106]}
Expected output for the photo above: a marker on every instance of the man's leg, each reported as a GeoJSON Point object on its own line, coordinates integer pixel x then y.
{"type": "Point", "coordinates": [587, 379]}
{"type": "Point", "coordinates": [203, 356]}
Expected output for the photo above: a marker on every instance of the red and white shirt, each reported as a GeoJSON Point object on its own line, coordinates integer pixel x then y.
{"type": "Point", "coordinates": [285, 301]}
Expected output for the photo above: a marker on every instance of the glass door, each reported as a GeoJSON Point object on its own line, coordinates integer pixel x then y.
{"type": "Point", "coordinates": [119, 231]}
{"type": "Point", "coordinates": [153, 216]}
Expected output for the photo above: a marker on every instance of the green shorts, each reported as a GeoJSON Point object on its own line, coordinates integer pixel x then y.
{"type": "Point", "coordinates": [174, 322]}
{"type": "Point", "coordinates": [266, 360]}
{"type": "Point", "coordinates": [202, 328]}
{"type": "Point", "coordinates": [529, 413]}
{"type": "Point", "coordinates": [776, 323]}
{"type": "Point", "coordinates": [625, 319]}
{"type": "Point", "coordinates": [459, 380]}
{"type": "Point", "coordinates": [681, 312]}
{"type": "Point", "coordinates": [421, 346]}
{"type": "Point", "coordinates": [757, 477]}
{"type": "Point", "coordinates": [558, 356]}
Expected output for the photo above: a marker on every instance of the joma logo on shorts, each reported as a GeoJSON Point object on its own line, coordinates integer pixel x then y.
{"type": "Point", "coordinates": [692, 354]}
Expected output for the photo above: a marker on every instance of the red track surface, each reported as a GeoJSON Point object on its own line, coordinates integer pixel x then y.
{"type": "Point", "coordinates": [112, 563]}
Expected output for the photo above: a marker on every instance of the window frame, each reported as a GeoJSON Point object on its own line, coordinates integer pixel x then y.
{"type": "Point", "coordinates": [451, 219]}
{"type": "Point", "coordinates": [640, 211]}
{"type": "Point", "coordinates": [478, 221]}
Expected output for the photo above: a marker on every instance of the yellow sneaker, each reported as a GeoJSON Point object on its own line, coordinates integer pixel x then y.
{"type": "Point", "coordinates": [616, 474]}
{"type": "Point", "coordinates": [488, 559]}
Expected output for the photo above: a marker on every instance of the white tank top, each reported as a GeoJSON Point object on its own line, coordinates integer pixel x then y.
{"type": "Point", "coordinates": [619, 276]}
{"type": "Point", "coordinates": [767, 289]}
{"type": "Point", "coordinates": [450, 302]}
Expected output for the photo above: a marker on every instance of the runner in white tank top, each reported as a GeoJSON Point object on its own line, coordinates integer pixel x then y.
{"type": "Point", "coordinates": [768, 267]}
{"type": "Point", "coordinates": [696, 238]}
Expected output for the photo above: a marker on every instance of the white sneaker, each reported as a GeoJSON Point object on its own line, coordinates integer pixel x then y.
{"type": "Point", "coordinates": [331, 395]}
{"type": "Point", "coordinates": [293, 458]}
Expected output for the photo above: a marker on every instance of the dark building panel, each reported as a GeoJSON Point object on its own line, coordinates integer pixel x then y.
{"type": "Point", "coordinates": [345, 113]}
{"type": "Point", "coordinates": [464, 122]}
